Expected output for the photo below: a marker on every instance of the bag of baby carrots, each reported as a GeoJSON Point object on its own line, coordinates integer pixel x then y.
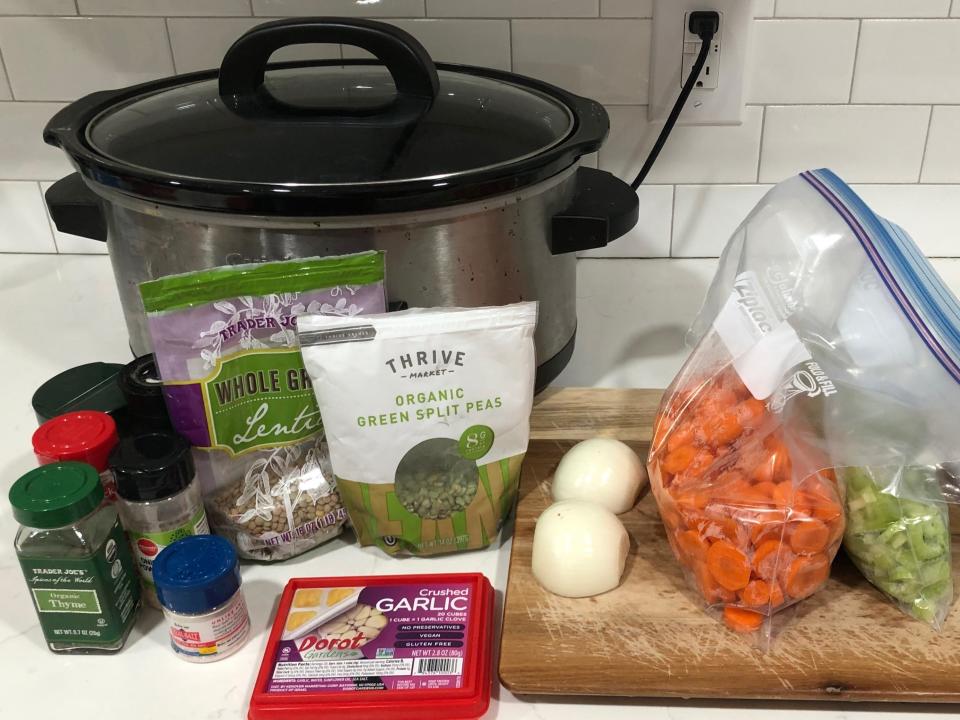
{"type": "Point", "coordinates": [816, 408]}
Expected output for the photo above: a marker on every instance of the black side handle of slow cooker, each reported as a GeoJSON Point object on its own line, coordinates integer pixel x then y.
{"type": "Point", "coordinates": [603, 208]}
{"type": "Point", "coordinates": [243, 67]}
{"type": "Point", "coordinates": [76, 209]}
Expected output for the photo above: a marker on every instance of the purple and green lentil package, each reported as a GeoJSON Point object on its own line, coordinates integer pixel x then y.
{"type": "Point", "coordinates": [226, 346]}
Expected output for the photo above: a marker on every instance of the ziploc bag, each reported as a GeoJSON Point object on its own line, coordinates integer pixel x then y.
{"type": "Point", "coordinates": [816, 407]}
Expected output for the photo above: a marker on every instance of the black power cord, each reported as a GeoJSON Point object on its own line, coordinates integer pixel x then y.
{"type": "Point", "coordinates": [704, 24]}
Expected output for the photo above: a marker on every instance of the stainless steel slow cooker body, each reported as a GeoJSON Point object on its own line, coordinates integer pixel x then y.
{"type": "Point", "coordinates": [469, 180]}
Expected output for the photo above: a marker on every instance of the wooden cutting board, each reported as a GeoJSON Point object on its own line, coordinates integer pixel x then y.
{"type": "Point", "coordinates": [650, 637]}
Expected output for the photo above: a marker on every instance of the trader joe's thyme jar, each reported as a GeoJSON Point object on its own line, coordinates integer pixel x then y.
{"type": "Point", "coordinates": [75, 559]}
{"type": "Point", "coordinates": [427, 415]}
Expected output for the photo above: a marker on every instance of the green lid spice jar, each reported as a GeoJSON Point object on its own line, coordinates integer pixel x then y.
{"type": "Point", "coordinates": [159, 497]}
{"type": "Point", "coordinates": [75, 559]}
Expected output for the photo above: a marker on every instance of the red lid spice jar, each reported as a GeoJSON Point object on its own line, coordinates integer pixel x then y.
{"type": "Point", "coordinates": [86, 436]}
{"type": "Point", "coordinates": [403, 647]}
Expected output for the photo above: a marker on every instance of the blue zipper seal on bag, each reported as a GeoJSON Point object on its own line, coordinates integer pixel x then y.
{"type": "Point", "coordinates": [918, 290]}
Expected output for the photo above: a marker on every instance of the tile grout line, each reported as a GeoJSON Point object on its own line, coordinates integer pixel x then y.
{"type": "Point", "coordinates": [856, 56]}
{"type": "Point", "coordinates": [510, 39]}
{"type": "Point", "coordinates": [926, 144]}
{"type": "Point", "coordinates": [6, 75]}
{"type": "Point", "coordinates": [173, 58]}
{"type": "Point", "coordinates": [763, 127]}
{"type": "Point", "coordinates": [76, 4]}
{"type": "Point", "coordinates": [250, 3]}
{"type": "Point", "coordinates": [53, 229]}
{"type": "Point", "coordinates": [673, 210]}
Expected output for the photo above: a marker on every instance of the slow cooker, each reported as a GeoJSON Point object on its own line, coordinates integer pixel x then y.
{"type": "Point", "coordinates": [469, 178]}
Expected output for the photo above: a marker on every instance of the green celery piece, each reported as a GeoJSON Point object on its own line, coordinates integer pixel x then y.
{"type": "Point", "coordinates": [923, 609]}
{"type": "Point", "coordinates": [934, 573]}
{"type": "Point", "coordinates": [923, 550]}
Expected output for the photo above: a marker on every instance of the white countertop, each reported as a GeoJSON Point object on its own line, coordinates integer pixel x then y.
{"type": "Point", "coordinates": [61, 311]}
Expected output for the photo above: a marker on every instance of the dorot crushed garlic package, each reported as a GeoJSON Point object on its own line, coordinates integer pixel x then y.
{"type": "Point", "coordinates": [385, 647]}
{"type": "Point", "coordinates": [427, 418]}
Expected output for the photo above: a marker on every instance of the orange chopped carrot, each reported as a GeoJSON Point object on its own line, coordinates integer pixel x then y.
{"type": "Point", "coordinates": [805, 574]}
{"type": "Point", "coordinates": [808, 536]}
{"type": "Point", "coordinates": [701, 463]}
{"type": "Point", "coordinates": [756, 593]}
{"type": "Point", "coordinates": [764, 530]}
{"type": "Point", "coordinates": [728, 565]}
{"type": "Point", "coordinates": [724, 428]}
{"type": "Point", "coordinates": [751, 412]}
{"type": "Point", "coordinates": [682, 435]}
{"type": "Point", "coordinates": [678, 460]}
{"type": "Point", "coordinates": [783, 493]}
{"type": "Point", "coordinates": [776, 594]}
{"type": "Point", "coordinates": [766, 557]}
{"type": "Point", "coordinates": [740, 620]}
{"type": "Point", "coordinates": [712, 591]}
{"type": "Point", "coordinates": [692, 545]}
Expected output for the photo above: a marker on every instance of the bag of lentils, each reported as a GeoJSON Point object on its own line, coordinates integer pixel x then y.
{"type": "Point", "coordinates": [427, 413]}
{"type": "Point", "coordinates": [236, 388]}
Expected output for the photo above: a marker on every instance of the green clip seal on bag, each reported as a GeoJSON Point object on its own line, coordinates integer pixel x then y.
{"type": "Point", "coordinates": [427, 413]}
{"type": "Point", "coordinates": [235, 386]}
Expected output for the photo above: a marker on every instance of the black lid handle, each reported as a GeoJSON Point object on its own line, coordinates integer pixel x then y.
{"type": "Point", "coordinates": [243, 67]}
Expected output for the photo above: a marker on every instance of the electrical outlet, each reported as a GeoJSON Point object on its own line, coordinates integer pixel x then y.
{"type": "Point", "coordinates": [717, 98]}
{"type": "Point", "coordinates": [709, 75]}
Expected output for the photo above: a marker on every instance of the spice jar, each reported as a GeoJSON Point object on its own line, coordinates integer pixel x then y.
{"type": "Point", "coordinates": [146, 409]}
{"type": "Point", "coordinates": [84, 436]}
{"type": "Point", "coordinates": [159, 497]}
{"type": "Point", "coordinates": [198, 583]}
{"type": "Point", "coordinates": [75, 559]}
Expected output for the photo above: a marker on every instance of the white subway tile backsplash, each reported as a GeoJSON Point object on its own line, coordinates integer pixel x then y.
{"type": "Point", "coordinates": [949, 270]}
{"type": "Point", "coordinates": [861, 143]}
{"type": "Point", "coordinates": [607, 60]}
{"type": "Point", "coordinates": [473, 42]}
{"type": "Point", "coordinates": [626, 8]}
{"type": "Point", "coordinates": [363, 8]}
{"type": "Point", "coordinates": [705, 216]}
{"type": "Point", "coordinates": [651, 236]}
{"type": "Point", "coordinates": [513, 8]}
{"type": "Point", "coordinates": [208, 8]}
{"type": "Point", "coordinates": [199, 43]}
{"type": "Point", "coordinates": [37, 7]}
{"type": "Point", "coordinates": [23, 226]}
{"type": "Point", "coordinates": [955, 9]}
{"type": "Point", "coordinates": [72, 244]}
{"type": "Point", "coordinates": [644, 8]}
{"type": "Point", "coordinates": [941, 162]}
{"type": "Point", "coordinates": [763, 8]}
{"type": "Point", "coordinates": [65, 58]}
{"type": "Point", "coordinates": [908, 61]}
{"type": "Point", "coordinates": [863, 8]}
{"type": "Point", "coordinates": [784, 70]}
{"type": "Point", "coordinates": [692, 154]}
{"type": "Point", "coordinates": [23, 154]}
{"type": "Point", "coordinates": [632, 319]}
{"type": "Point", "coordinates": [929, 213]}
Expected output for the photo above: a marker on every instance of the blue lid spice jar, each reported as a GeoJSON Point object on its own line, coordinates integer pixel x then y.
{"type": "Point", "coordinates": [198, 585]}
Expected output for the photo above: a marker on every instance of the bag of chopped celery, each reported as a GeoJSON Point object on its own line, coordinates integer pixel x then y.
{"type": "Point", "coordinates": [898, 535]}
{"type": "Point", "coordinates": [827, 346]}
{"type": "Point", "coordinates": [427, 413]}
{"type": "Point", "coordinates": [236, 388]}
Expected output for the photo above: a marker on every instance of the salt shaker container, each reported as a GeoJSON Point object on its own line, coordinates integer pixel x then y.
{"type": "Point", "coordinates": [198, 585]}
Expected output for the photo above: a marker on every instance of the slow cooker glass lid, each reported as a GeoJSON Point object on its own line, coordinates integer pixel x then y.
{"type": "Point", "coordinates": [331, 124]}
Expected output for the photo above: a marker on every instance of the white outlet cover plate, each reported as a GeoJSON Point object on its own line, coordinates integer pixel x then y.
{"type": "Point", "coordinates": [722, 105]}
